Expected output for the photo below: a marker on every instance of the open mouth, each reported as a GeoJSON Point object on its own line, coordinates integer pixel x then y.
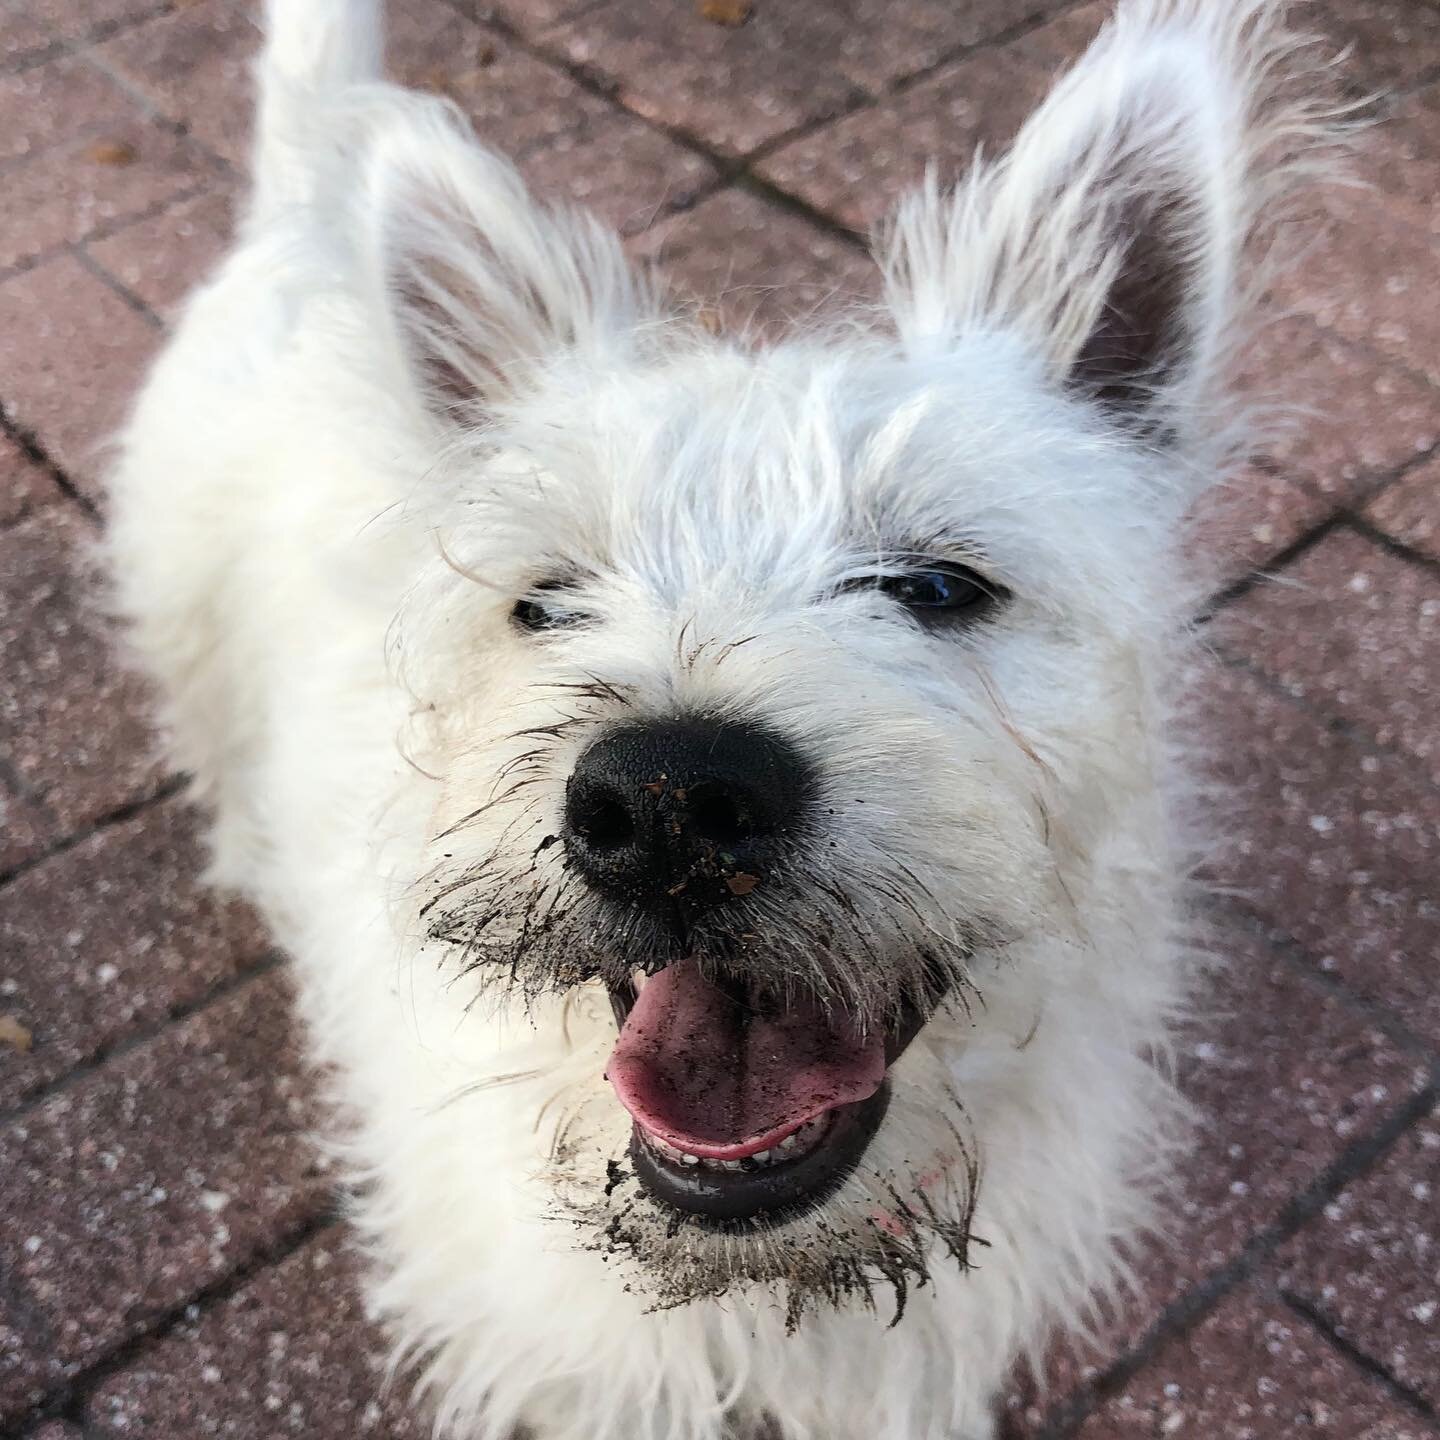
{"type": "Point", "coordinates": [746, 1107]}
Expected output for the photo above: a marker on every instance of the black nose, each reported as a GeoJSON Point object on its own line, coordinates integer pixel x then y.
{"type": "Point", "coordinates": [684, 811]}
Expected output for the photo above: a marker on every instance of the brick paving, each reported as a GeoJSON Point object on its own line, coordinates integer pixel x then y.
{"type": "Point", "coordinates": [169, 1265]}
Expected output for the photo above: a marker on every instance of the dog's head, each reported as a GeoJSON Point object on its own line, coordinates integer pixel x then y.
{"type": "Point", "coordinates": [791, 710]}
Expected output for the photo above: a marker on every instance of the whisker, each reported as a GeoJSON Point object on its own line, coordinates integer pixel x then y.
{"type": "Point", "coordinates": [477, 1087]}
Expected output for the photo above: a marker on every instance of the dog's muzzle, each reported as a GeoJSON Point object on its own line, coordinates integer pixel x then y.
{"type": "Point", "coordinates": [749, 1100]}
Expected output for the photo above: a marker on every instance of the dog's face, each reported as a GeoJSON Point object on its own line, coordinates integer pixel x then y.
{"type": "Point", "coordinates": [787, 698]}
{"type": "Point", "coordinates": [783, 701]}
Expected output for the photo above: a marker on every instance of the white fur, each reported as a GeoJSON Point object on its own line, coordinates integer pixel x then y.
{"type": "Point", "coordinates": [407, 395]}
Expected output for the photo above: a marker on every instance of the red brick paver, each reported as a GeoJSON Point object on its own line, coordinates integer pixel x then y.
{"type": "Point", "coordinates": [1332, 843]}
{"type": "Point", "coordinates": [1354, 630]}
{"type": "Point", "coordinates": [167, 1263]}
{"type": "Point", "coordinates": [757, 265]}
{"type": "Point", "coordinates": [73, 719]}
{"type": "Point", "coordinates": [1373, 1269]}
{"type": "Point", "coordinates": [57, 1430]}
{"type": "Point", "coordinates": [24, 485]}
{"type": "Point", "coordinates": [75, 21]}
{"type": "Point", "coordinates": [111, 938]}
{"type": "Point", "coordinates": [289, 1354]}
{"type": "Point", "coordinates": [23, 829]}
{"type": "Point", "coordinates": [85, 350]}
{"type": "Point", "coordinates": [1340, 420]}
{"type": "Point", "coordinates": [1368, 292]}
{"type": "Point", "coordinates": [793, 65]}
{"type": "Point", "coordinates": [1337, 424]}
{"type": "Point", "coordinates": [1409, 510]}
{"type": "Point", "coordinates": [132, 1191]}
{"type": "Point", "coordinates": [1393, 43]}
{"type": "Point", "coordinates": [191, 64]}
{"type": "Point", "coordinates": [1254, 1371]}
{"type": "Point", "coordinates": [161, 258]}
{"type": "Point", "coordinates": [857, 169]}
{"type": "Point", "coordinates": [1286, 1078]}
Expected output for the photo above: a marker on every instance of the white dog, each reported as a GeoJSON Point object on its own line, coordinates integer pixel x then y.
{"type": "Point", "coordinates": [553, 665]}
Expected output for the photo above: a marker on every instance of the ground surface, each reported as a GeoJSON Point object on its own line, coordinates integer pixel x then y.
{"type": "Point", "coordinates": [169, 1262]}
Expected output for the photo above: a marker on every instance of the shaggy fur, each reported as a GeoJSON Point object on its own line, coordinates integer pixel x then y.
{"type": "Point", "coordinates": [409, 397]}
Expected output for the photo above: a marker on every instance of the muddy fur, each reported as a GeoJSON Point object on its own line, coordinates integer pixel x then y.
{"type": "Point", "coordinates": [840, 1262]}
{"type": "Point", "coordinates": [869, 1244]}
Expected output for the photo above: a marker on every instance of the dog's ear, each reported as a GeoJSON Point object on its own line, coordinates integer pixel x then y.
{"type": "Point", "coordinates": [1110, 236]}
{"type": "Point", "coordinates": [480, 283]}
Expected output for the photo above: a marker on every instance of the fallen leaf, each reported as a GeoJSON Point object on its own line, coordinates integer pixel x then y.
{"type": "Point", "coordinates": [731, 13]}
{"type": "Point", "coordinates": [112, 152]}
{"type": "Point", "coordinates": [741, 884]}
{"type": "Point", "coordinates": [14, 1034]}
{"type": "Point", "coordinates": [435, 79]}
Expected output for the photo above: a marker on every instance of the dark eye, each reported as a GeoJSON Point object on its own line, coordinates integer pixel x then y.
{"type": "Point", "coordinates": [938, 590]}
{"type": "Point", "coordinates": [546, 607]}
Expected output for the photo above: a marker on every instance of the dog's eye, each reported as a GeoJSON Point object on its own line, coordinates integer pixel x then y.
{"type": "Point", "coordinates": [939, 590]}
{"type": "Point", "coordinates": [546, 607]}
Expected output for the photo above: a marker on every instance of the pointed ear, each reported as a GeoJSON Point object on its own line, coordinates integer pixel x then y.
{"type": "Point", "coordinates": [479, 284]}
{"type": "Point", "coordinates": [1110, 237]}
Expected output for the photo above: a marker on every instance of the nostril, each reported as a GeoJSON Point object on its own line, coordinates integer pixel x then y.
{"type": "Point", "coordinates": [602, 821]}
{"type": "Point", "coordinates": [719, 815]}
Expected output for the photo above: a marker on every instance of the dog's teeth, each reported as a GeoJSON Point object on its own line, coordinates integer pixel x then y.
{"type": "Point", "coordinates": [780, 1151]}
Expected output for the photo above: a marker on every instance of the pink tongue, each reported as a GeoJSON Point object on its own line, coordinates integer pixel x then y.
{"type": "Point", "coordinates": [711, 1079]}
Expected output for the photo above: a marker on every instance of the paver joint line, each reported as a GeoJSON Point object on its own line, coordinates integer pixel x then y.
{"type": "Point", "coordinates": [95, 35]}
{"type": "Point", "coordinates": [272, 960]}
{"type": "Point", "coordinates": [1236, 909]}
{"type": "Point", "coordinates": [1333, 723]}
{"type": "Point", "coordinates": [170, 788]}
{"type": "Point", "coordinates": [68, 1401]}
{"type": "Point", "coordinates": [1323, 1325]}
{"type": "Point", "coordinates": [118, 287]}
{"type": "Point", "coordinates": [1361, 525]}
{"type": "Point", "coordinates": [34, 451]}
{"type": "Point", "coordinates": [1189, 1309]}
{"type": "Point", "coordinates": [1041, 15]}
{"type": "Point", "coordinates": [1350, 516]}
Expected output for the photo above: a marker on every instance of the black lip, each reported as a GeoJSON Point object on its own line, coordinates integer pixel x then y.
{"type": "Point", "coordinates": [773, 1193]}
{"type": "Point", "coordinates": [622, 1002]}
